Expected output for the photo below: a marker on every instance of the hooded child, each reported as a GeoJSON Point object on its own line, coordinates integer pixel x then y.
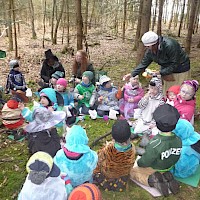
{"type": "Point", "coordinates": [76, 159]}
{"type": "Point", "coordinates": [133, 93]}
{"type": "Point", "coordinates": [162, 153]}
{"type": "Point", "coordinates": [185, 102]}
{"type": "Point", "coordinates": [115, 159]}
{"type": "Point", "coordinates": [41, 132]}
{"type": "Point", "coordinates": [172, 93]}
{"type": "Point", "coordinates": [61, 87]}
{"type": "Point", "coordinates": [43, 180]}
{"type": "Point", "coordinates": [15, 80]}
{"type": "Point", "coordinates": [106, 97]}
{"type": "Point", "coordinates": [148, 104]}
{"type": "Point", "coordinates": [189, 160]}
{"type": "Point", "coordinates": [85, 93]}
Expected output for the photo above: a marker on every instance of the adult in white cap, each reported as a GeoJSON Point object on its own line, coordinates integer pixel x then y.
{"type": "Point", "coordinates": [167, 52]}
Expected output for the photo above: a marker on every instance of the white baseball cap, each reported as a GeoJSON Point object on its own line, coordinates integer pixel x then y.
{"type": "Point", "coordinates": [149, 38]}
{"type": "Point", "coordinates": [104, 79]}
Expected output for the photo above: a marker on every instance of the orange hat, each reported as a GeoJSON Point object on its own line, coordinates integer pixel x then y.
{"type": "Point", "coordinates": [86, 191]}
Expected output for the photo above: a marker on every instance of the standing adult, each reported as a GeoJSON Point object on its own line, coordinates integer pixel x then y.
{"type": "Point", "coordinates": [80, 65]}
{"type": "Point", "coordinates": [50, 65]}
{"type": "Point", "coordinates": [167, 52]}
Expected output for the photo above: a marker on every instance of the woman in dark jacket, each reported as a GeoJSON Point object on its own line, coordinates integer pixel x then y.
{"type": "Point", "coordinates": [50, 65]}
{"type": "Point", "coordinates": [80, 65]}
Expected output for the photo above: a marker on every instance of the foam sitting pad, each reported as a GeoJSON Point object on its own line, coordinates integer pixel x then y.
{"type": "Point", "coordinates": [192, 180]}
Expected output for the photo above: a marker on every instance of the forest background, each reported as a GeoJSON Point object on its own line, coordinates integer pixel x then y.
{"type": "Point", "coordinates": [110, 31]}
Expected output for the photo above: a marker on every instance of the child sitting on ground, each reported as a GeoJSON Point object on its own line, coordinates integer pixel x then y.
{"type": "Point", "coordinates": [171, 94]}
{"type": "Point", "coordinates": [116, 159]}
{"type": "Point", "coordinates": [76, 159]}
{"type": "Point", "coordinates": [161, 154]}
{"type": "Point", "coordinates": [185, 102]}
{"type": "Point", "coordinates": [189, 161]}
{"type": "Point", "coordinates": [148, 104]}
{"type": "Point", "coordinates": [42, 135]}
{"type": "Point", "coordinates": [43, 180]}
{"type": "Point", "coordinates": [61, 87]}
{"type": "Point", "coordinates": [85, 93]}
{"type": "Point", "coordinates": [106, 97]}
{"type": "Point", "coordinates": [15, 80]}
{"type": "Point", "coordinates": [133, 92]}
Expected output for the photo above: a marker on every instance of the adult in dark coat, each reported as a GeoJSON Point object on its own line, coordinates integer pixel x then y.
{"type": "Point", "coordinates": [50, 65]}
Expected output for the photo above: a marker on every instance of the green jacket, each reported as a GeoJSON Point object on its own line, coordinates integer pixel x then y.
{"type": "Point", "coordinates": [170, 56]}
{"type": "Point", "coordinates": [161, 153]}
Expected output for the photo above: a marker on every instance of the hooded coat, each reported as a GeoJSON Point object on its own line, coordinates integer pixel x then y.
{"type": "Point", "coordinates": [189, 159]}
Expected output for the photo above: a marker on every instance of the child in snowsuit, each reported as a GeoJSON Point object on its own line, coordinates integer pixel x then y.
{"type": "Point", "coordinates": [171, 94]}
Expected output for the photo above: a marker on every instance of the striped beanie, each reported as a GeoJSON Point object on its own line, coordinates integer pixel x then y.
{"type": "Point", "coordinates": [87, 191]}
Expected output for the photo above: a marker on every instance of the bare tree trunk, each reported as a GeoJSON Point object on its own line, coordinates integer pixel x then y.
{"type": "Point", "coordinates": [181, 20]}
{"type": "Point", "coordinates": [145, 21]}
{"type": "Point", "coordinates": [44, 21]}
{"type": "Point", "coordinates": [31, 7]}
{"type": "Point", "coordinates": [161, 2]}
{"type": "Point", "coordinates": [68, 39]}
{"type": "Point", "coordinates": [166, 12]}
{"type": "Point", "coordinates": [63, 22]}
{"type": "Point", "coordinates": [79, 25]}
{"type": "Point", "coordinates": [10, 37]}
{"type": "Point", "coordinates": [124, 21]}
{"type": "Point", "coordinates": [5, 14]}
{"type": "Point", "coordinates": [186, 23]}
{"type": "Point", "coordinates": [86, 17]}
{"type": "Point", "coordinates": [137, 36]}
{"type": "Point", "coordinates": [52, 19]}
{"type": "Point", "coordinates": [92, 14]}
{"type": "Point", "coordinates": [176, 14]}
{"type": "Point", "coordinates": [196, 16]}
{"type": "Point", "coordinates": [154, 16]}
{"type": "Point", "coordinates": [191, 26]}
{"type": "Point", "coordinates": [171, 18]}
{"type": "Point", "coordinates": [58, 22]}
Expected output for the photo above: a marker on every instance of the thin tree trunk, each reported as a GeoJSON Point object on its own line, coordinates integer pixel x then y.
{"type": "Point", "coordinates": [86, 17]}
{"type": "Point", "coordinates": [191, 26]}
{"type": "Point", "coordinates": [52, 19]}
{"type": "Point", "coordinates": [31, 7]}
{"type": "Point", "coordinates": [166, 12]}
{"type": "Point", "coordinates": [172, 14]}
{"type": "Point", "coordinates": [176, 14]}
{"type": "Point", "coordinates": [181, 20]}
{"type": "Point", "coordinates": [44, 21]}
{"type": "Point", "coordinates": [68, 38]}
{"type": "Point", "coordinates": [58, 22]}
{"type": "Point", "coordinates": [137, 36]}
{"type": "Point", "coordinates": [10, 37]}
{"type": "Point", "coordinates": [186, 23]}
{"type": "Point", "coordinates": [161, 2]}
{"type": "Point", "coordinates": [92, 15]}
{"type": "Point", "coordinates": [154, 16]}
{"type": "Point", "coordinates": [196, 16]}
{"type": "Point", "coordinates": [124, 21]}
{"type": "Point", "coordinates": [79, 25]}
{"type": "Point", "coordinates": [63, 22]}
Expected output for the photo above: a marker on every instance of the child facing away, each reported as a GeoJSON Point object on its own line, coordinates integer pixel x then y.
{"type": "Point", "coordinates": [185, 102]}
{"type": "Point", "coordinates": [76, 159]}
{"type": "Point", "coordinates": [152, 99]}
{"type": "Point", "coordinates": [171, 94]}
{"type": "Point", "coordinates": [42, 135]}
{"type": "Point", "coordinates": [61, 87]}
{"type": "Point", "coordinates": [189, 160]}
{"type": "Point", "coordinates": [85, 93]}
{"type": "Point", "coordinates": [106, 97]}
{"type": "Point", "coordinates": [15, 80]}
{"type": "Point", "coordinates": [133, 92]}
{"type": "Point", "coordinates": [162, 153]}
{"type": "Point", "coordinates": [116, 159]}
{"type": "Point", "coordinates": [43, 180]}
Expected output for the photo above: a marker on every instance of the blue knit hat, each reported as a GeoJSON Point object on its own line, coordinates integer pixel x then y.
{"type": "Point", "coordinates": [77, 140]}
{"type": "Point", "coordinates": [50, 93]}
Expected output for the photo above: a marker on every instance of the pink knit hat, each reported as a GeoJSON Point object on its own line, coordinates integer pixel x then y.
{"type": "Point", "coordinates": [62, 81]}
{"type": "Point", "coordinates": [193, 83]}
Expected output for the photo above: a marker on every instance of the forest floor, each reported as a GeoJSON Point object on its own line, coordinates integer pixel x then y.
{"type": "Point", "coordinates": [105, 51]}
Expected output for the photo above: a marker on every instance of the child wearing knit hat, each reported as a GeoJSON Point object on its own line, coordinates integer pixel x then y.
{"type": "Point", "coordinates": [116, 159]}
{"type": "Point", "coordinates": [85, 93]}
{"type": "Point", "coordinates": [185, 102]}
{"type": "Point", "coordinates": [61, 87]}
{"type": "Point", "coordinates": [172, 93]}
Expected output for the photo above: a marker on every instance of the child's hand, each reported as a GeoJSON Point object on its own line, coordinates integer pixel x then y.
{"type": "Point", "coordinates": [100, 99]}
{"type": "Point", "coordinates": [130, 100]}
{"type": "Point", "coordinates": [77, 80]}
{"type": "Point", "coordinates": [147, 95]}
{"type": "Point", "coordinates": [50, 108]}
{"type": "Point", "coordinates": [80, 97]}
{"type": "Point", "coordinates": [126, 77]}
{"type": "Point", "coordinates": [21, 106]}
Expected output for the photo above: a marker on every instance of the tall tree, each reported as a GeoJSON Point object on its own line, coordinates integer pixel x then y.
{"type": "Point", "coordinates": [124, 21]}
{"type": "Point", "coordinates": [145, 22]}
{"type": "Point", "coordinates": [172, 15]}
{"type": "Point", "coordinates": [31, 7]}
{"type": "Point", "coordinates": [10, 32]}
{"type": "Point", "coordinates": [79, 25]}
{"type": "Point", "coordinates": [44, 21]}
{"type": "Point", "coordinates": [191, 26]}
{"type": "Point", "coordinates": [161, 2]}
{"type": "Point", "coordinates": [181, 20]}
{"type": "Point", "coordinates": [86, 17]}
{"type": "Point", "coordinates": [154, 15]}
{"type": "Point", "coordinates": [52, 19]}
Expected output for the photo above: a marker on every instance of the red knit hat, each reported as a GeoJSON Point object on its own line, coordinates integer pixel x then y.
{"type": "Point", "coordinates": [62, 81]}
{"type": "Point", "coordinates": [86, 191]}
{"type": "Point", "coordinates": [175, 89]}
{"type": "Point", "coordinates": [13, 104]}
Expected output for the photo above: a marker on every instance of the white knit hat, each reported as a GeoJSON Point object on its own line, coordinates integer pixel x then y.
{"type": "Point", "coordinates": [13, 63]}
{"type": "Point", "coordinates": [149, 38]}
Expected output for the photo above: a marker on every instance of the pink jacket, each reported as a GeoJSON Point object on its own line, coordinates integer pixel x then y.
{"type": "Point", "coordinates": [129, 93]}
{"type": "Point", "coordinates": [185, 108]}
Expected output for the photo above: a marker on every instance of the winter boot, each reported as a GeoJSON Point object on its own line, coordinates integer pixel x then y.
{"type": "Point", "coordinates": [156, 180]}
{"type": "Point", "coordinates": [173, 184]}
{"type": "Point", "coordinates": [144, 141]}
{"type": "Point", "coordinates": [18, 134]}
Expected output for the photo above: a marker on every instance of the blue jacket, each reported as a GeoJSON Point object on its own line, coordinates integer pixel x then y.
{"type": "Point", "coordinates": [189, 159]}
